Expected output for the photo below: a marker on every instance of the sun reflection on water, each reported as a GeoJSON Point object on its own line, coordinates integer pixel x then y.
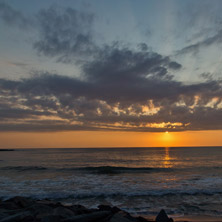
{"type": "Point", "coordinates": [167, 159]}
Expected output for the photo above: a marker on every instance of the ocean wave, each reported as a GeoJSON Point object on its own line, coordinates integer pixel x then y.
{"type": "Point", "coordinates": [23, 168]}
{"type": "Point", "coordinates": [144, 194]}
{"type": "Point", "coordinates": [108, 169]}
{"type": "Point", "coordinates": [133, 170]}
{"type": "Point", "coordinates": [113, 194]}
{"type": "Point", "coordinates": [96, 170]}
{"type": "Point", "coordinates": [118, 170]}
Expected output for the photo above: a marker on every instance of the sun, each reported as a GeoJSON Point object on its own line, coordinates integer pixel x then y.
{"type": "Point", "coordinates": [167, 139]}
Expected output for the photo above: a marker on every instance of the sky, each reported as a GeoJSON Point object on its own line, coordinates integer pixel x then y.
{"type": "Point", "coordinates": [110, 73]}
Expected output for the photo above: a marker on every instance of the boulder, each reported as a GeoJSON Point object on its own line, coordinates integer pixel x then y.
{"type": "Point", "coordinates": [3, 215]}
{"type": "Point", "coordinates": [122, 216]}
{"type": "Point", "coordinates": [63, 212]}
{"type": "Point", "coordinates": [9, 205]}
{"type": "Point", "coordinates": [21, 202]}
{"type": "Point", "coordinates": [49, 203]}
{"type": "Point", "coordinates": [17, 217]}
{"type": "Point", "coordinates": [91, 217]}
{"type": "Point", "coordinates": [115, 209]}
{"type": "Point", "coordinates": [21, 209]}
{"type": "Point", "coordinates": [51, 218]}
{"type": "Point", "coordinates": [29, 218]}
{"type": "Point", "coordinates": [105, 207]}
{"type": "Point", "coordinates": [40, 209]}
{"type": "Point", "coordinates": [79, 209]}
{"type": "Point", "coordinates": [142, 219]}
{"type": "Point", "coordinates": [109, 208]}
{"type": "Point", "coordinates": [162, 217]}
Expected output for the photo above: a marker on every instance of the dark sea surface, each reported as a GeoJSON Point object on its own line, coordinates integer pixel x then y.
{"type": "Point", "coordinates": [183, 181]}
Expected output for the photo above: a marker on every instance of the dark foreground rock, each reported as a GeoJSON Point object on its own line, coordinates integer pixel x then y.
{"type": "Point", "coordinates": [162, 217]}
{"type": "Point", "coordinates": [21, 209]}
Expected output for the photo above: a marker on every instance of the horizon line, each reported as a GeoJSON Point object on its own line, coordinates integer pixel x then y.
{"type": "Point", "coordinates": [114, 147]}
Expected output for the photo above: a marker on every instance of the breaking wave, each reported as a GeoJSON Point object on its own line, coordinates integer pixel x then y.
{"type": "Point", "coordinates": [23, 168]}
{"type": "Point", "coordinates": [105, 169]}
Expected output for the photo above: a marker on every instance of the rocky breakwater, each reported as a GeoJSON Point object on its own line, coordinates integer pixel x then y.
{"type": "Point", "coordinates": [21, 209]}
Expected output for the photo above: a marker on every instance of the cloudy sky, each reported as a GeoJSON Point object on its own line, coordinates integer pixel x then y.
{"type": "Point", "coordinates": [93, 67]}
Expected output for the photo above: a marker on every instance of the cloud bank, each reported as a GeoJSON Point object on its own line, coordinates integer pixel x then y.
{"type": "Point", "coordinates": [121, 87]}
{"type": "Point", "coordinates": [140, 96]}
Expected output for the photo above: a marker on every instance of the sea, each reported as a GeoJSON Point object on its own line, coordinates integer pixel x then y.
{"type": "Point", "coordinates": [185, 181]}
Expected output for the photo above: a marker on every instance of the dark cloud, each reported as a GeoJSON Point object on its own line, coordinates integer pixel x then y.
{"type": "Point", "coordinates": [129, 75]}
{"type": "Point", "coordinates": [64, 33]}
{"type": "Point", "coordinates": [123, 89]}
{"type": "Point", "coordinates": [13, 17]}
{"type": "Point", "coordinates": [175, 65]}
{"type": "Point", "coordinates": [115, 64]}
{"type": "Point", "coordinates": [18, 113]}
{"type": "Point", "coordinates": [207, 76]}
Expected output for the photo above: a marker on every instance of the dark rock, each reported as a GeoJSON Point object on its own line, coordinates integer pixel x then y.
{"type": "Point", "coordinates": [95, 216]}
{"type": "Point", "coordinates": [142, 219]}
{"type": "Point", "coordinates": [16, 217]}
{"type": "Point", "coordinates": [49, 203]}
{"type": "Point", "coordinates": [109, 208]}
{"type": "Point", "coordinates": [118, 218]}
{"type": "Point", "coordinates": [21, 209]}
{"type": "Point", "coordinates": [40, 208]}
{"type": "Point", "coordinates": [105, 207]}
{"type": "Point", "coordinates": [9, 205]}
{"type": "Point", "coordinates": [122, 216]}
{"type": "Point", "coordinates": [63, 212]}
{"type": "Point", "coordinates": [162, 217]}
{"type": "Point", "coordinates": [8, 212]}
{"type": "Point", "coordinates": [115, 209]}
{"type": "Point", "coordinates": [51, 218]}
{"type": "Point", "coordinates": [29, 218]}
{"type": "Point", "coordinates": [79, 209]}
{"type": "Point", "coordinates": [3, 215]}
{"type": "Point", "coordinates": [21, 202]}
